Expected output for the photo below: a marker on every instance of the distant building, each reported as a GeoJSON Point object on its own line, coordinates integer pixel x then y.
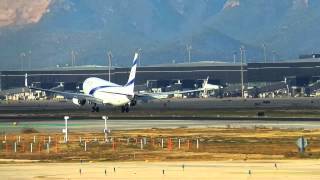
{"type": "Point", "coordinates": [309, 56]}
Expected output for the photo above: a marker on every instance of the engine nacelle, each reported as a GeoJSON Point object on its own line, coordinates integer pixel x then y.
{"type": "Point", "coordinates": [79, 102]}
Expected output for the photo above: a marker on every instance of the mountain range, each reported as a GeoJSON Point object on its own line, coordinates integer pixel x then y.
{"type": "Point", "coordinates": [43, 33]}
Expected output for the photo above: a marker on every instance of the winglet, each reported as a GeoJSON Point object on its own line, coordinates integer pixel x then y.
{"type": "Point", "coordinates": [26, 80]}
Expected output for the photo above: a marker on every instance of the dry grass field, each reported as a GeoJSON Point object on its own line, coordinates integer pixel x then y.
{"type": "Point", "coordinates": [163, 145]}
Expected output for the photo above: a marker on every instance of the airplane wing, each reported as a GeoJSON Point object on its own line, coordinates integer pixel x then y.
{"type": "Point", "coordinates": [67, 95]}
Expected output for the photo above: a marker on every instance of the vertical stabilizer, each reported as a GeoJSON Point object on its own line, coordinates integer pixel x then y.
{"type": "Point", "coordinates": [130, 83]}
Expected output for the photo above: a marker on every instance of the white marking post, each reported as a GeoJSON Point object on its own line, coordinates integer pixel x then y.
{"type": "Point", "coordinates": [141, 144]}
{"type": "Point", "coordinates": [48, 148]}
{"type": "Point", "coordinates": [65, 130]}
{"type": "Point", "coordinates": [197, 143]}
{"type": "Point", "coordinates": [105, 130]}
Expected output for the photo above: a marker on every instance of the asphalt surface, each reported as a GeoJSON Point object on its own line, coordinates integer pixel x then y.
{"type": "Point", "coordinates": [48, 115]}
{"type": "Point", "coordinates": [169, 104]}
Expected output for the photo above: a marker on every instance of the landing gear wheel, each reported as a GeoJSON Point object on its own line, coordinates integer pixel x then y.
{"type": "Point", "coordinates": [133, 102]}
{"type": "Point", "coordinates": [95, 108]}
{"type": "Point", "coordinates": [125, 108]}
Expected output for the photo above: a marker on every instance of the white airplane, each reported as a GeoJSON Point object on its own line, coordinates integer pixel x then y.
{"type": "Point", "coordinates": [99, 91]}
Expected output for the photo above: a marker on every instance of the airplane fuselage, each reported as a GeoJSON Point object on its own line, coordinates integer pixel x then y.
{"type": "Point", "coordinates": [107, 92]}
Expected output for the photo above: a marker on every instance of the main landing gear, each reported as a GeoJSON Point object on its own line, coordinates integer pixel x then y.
{"type": "Point", "coordinates": [95, 108]}
{"type": "Point", "coordinates": [125, 108]}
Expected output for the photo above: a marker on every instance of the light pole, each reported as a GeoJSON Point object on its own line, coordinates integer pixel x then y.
{"type": "Point", "coordinates": [73, 58]}
{"type": "Point", "coordinates": [189, 48]}
{"type": "Point", "coordinates": [264, 52]}
{"type": "Point", "coordinates": [139, 60]}
{"type": "Point", "coordinates": [110, 58]}
{"type": "Point", "coordinates": [22, 55]}
{"type": "Point", "coordinates": [234, 57]}
{"type": "Point", "coordinates": [244, 55]}
{"type": "Point", "coordinates": [29, 59]}
{"type": "Point", "coordinates": [241, 69]}
{"type": "Point", "coordinates": [274, 53]}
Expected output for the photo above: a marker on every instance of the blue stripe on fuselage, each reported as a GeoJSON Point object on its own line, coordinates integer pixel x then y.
{"type": "Point", "coordinates": [99, 87]}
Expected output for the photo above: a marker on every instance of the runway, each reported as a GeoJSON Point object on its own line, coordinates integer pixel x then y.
{"type": "Point", "coordinates": [173, 104]}
{"type": "Point", "coordinates": [47, 116]}
{"type": "Point", "coordinates": [90, 125]}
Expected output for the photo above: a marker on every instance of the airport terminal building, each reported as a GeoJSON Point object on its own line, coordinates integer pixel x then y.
{"type": "Point", "coordinates": [296, 73]}
{"type": "Point", "coordinates": [153, 75]}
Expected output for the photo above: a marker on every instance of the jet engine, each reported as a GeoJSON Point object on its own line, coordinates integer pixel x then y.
{"type": "Point", "coordinates": [79, 102]}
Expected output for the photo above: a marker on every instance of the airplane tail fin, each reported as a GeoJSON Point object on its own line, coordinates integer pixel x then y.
{"type": "Point", "coordinates": [205, 86]}
{"type": "Point", "coordinates": [130, 83]}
